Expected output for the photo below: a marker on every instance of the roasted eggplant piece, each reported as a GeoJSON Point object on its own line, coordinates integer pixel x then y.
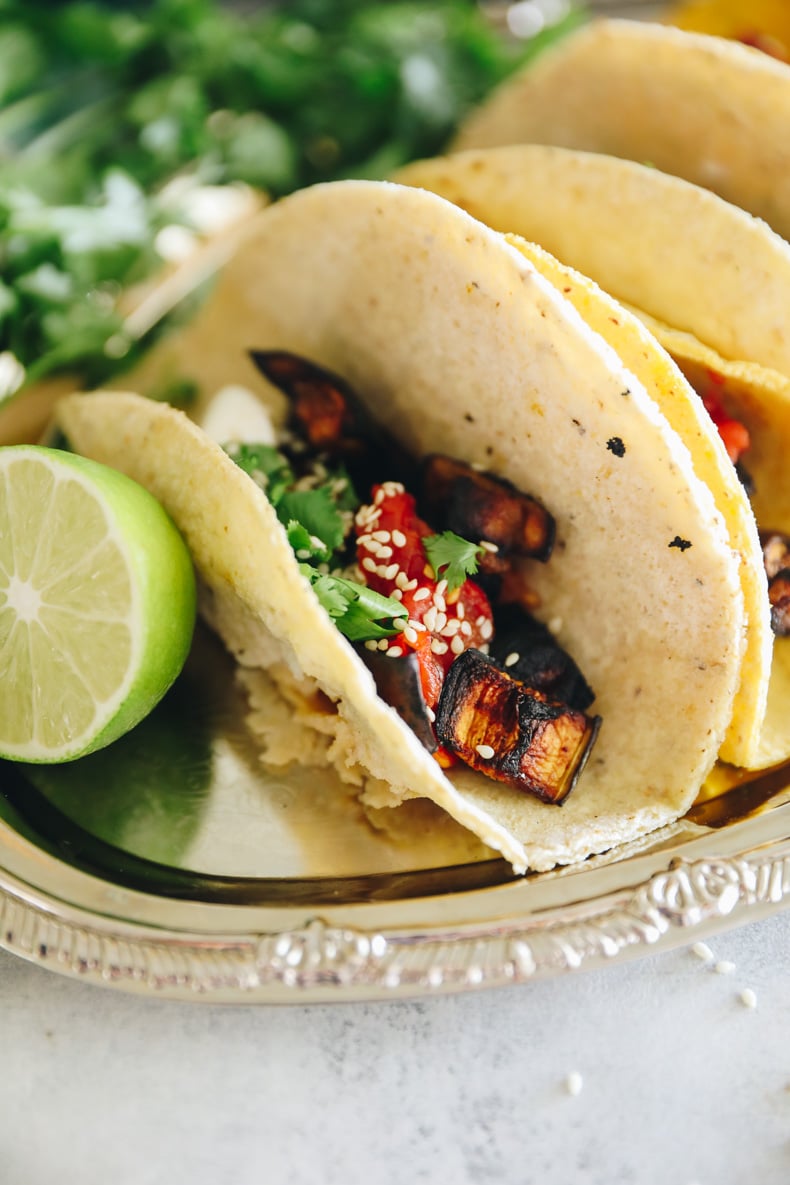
{"type": "Point", "coordinates": [526, 649]}
{"type": "Point", "coordinates": [326, 413]}
{"type": "Point", "coordinates": [510, 732]}
{"type": "Point", "coordinates": [399, 685]}
{"type": "Point", "coordinates": [776, 557]}
{"type": "Point", "coordinates": [458, 498]}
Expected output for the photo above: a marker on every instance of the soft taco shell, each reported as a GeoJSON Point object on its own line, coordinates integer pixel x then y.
{"type": "Point", "coordinates": [667, 248]}
{"type": "Point", "coordinates": [457, 344]}
{"type": "Point", "coordinates": [699, 107]}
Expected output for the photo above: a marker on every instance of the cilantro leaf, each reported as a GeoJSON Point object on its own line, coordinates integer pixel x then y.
{"type": "Point", "coordinates": [355, 609]}
{"type": "Point", "coordinates": [266, 466]}
{"type": "Point", "coordinates": [317, 513]}
{"type": "Point", "coordinates": [303, 543]}
{"type": "Point", "coordinates": [451, 557]}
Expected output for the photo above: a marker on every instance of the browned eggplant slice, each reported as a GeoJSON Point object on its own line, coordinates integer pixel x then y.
{"type": "Point", "coordinates": [526, 649]}
{"type": "Point", "coordinates": [321, 403]}
{"type": "Point", "coordinates": [399, 685]}
{"type": "Point", "coordinates": [481, 506]}
{"type": "Point", "coordinates": [776, 557]}
{"type": "Point", "coordinates": [510, 732]}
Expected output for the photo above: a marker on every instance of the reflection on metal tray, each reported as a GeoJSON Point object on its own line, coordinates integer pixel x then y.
{"type": "Point", "coordinates": [172, 861]}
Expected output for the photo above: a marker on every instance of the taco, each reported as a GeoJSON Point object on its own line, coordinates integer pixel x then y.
{"type": "Point", "coordinates": [711, 283]}
{"type": "Point", "coordinates": [455, 344]}
{"type": "Point", "coordinates": [699, 107]}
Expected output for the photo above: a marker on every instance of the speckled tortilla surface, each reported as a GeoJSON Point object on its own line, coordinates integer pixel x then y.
{"type": "Point", "coordinates": [457, 343]}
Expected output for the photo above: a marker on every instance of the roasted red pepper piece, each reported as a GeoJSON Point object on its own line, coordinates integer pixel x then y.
{"type": "Point", "coordinates": [734, 434]}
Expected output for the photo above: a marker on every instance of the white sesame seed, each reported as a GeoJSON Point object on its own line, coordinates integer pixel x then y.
{"type": "Point", "coordinates": [384, 552]}
{"type": "Point", "coordinates": [702, 951]}
{"type": "Point", "coordinates": [487, 630]}
{"type": "Point", "coordinates": [484, 751]}
{"type": "Point", "coordinates": [381, 536]}
{"type": "Point", "coordinates": [391, 488]}
{"type": "Point", "coordinates": [555, 625]}
{"type": "Point", "coordinates": [574, 1083]}
{"type": "Point", "coordinates": [380, 496]}
{"type": "Point", "coordinates": [392, 571]}
{"type": "Point", "coordinates": [724, 967]}
{"type": "Point", "coordinates": [430, 619]}
{"type": "Point", "coordinates": [451, 629]}
{"type": "Point", "coordinates": [440, 602]}
{"type": "Point", "coordinates": [364, 540]}
{"type": "Point", "coordinates": [748, 998]}
{"type": "Point", "coordinates": [441, 588]}
{"type": "Point", "coordinates": [398, 538]}
{"type": "Point", "coordinates": [421, 594]}
{"type": "Point", "coordinates": [512, 659]}
{"type": "Point", "coordinates": [416, 625]}
{"type": "Point", "coordinates": [439, 647]}
{"type": "Point", "coordinates": [303, 553]}
{"type": "Point", "coordinates": [410, 584]}
{"type": "Point", "coordinates": [384, 644]}
{"type": "Point", "coordinates": [369, 565]}
{"type": "Point", "coordinates": [395, 652]}
{"type": "Point", "coordinates": [466, 629]}
{"type": "Point", "coordinates": [317, 543]}
{"type": "Point", "coordinates": [399, 624]}
{"type": "Point", "coordinates": [460, 611]}
{"type": "Point", "coordinates": [480, 620]}
{"type": "Point", "coordinates": [457, 645]}
{"type": "Point", "coordinates": [410, 635]}
{"type": "Point", "coordinates": [441, 621]}
{"type": "Point", "coordinates": [487, 546]}
{"type": "Point", "coordinates": [401, 580]}
{"type": "Point", "coordinates": [371, 645]}
{"type": "Point", "coordinates": [397, 594]}
{"type": "Point", "coordinates": [429, 712]}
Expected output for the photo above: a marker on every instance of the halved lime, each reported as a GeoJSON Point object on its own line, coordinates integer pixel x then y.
{"type": "Point", "coordinates": [97, 604]}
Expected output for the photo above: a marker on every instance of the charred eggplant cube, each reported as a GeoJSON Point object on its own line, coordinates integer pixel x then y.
{"type": "Point", "coordinates": [510, 732]}
{"type": "Point", "coordinates": [528, 651]}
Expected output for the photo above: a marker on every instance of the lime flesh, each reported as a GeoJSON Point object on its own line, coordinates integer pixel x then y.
{"type": "Point", "coordinates": [97, 604]}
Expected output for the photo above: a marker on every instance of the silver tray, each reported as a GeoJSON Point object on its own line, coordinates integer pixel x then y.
{"type": "Point", "coordinates": [171, 863]}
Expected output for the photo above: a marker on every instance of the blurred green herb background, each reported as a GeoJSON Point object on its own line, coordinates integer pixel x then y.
{"type": "Point", "coordinates": [103, 105]}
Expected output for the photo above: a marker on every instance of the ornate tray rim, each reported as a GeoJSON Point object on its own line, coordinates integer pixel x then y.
{"type": "Point", "coordinates": [92, 930]}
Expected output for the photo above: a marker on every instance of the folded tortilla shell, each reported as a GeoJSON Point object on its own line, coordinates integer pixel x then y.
{"type": "Point", "coordinates": [458, 344]}
{"type": "Point", "coordinates": [712, 111]}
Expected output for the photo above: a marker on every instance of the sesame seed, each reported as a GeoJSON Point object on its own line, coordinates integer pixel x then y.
{"type": "Point", "coordinates": [430, 619]}
{"type": "Point", "coordinates": [457, 645]}
{"type": "Point", "coordinates": [441, 621]}
{"type": "Point", "coordinates": [487, 629]}
{"type": "Point", "coordinates": [380, 496]}
{"type": "Point", "coordinates": [574, 1083]}
{"type": "Point", "coordinates": [480, 620]}
{"type": "Point", "coordinates": [451, 629]}
{"type": "Point", "coordinates": [421, 594]}
{"type": "Point", "coordinates": [371, 645]}
{"type": "Point", "coordinates": [398, 538]}
{"type": "Point", "coordinates": [748, 998]}
{"type": "Point", "coordinates": [303, 553]}
{"type": "Point", "coordinates": [441, 588]}
{"type": "Point", "coordinates": [395, 652]}
{"type": "Point", "coordinates": [439, 647]}
{"type": "Point", "coordinates": [397, 594]}
{"type": "Point", "coordinates": [440, 602]}
{"type": "Point", "coordinates": [381, 536]}
{"type": "Point", "coordinates": [555, 625]}
{"type": "Point", "coordinates": [466, 629]}
{"type": "Point", "coordinates": [391, 572]}
{"type": "Point", "coordinates": [724, 967]}
{"type": "Point", "coordinates": [384, 644]}
{"type": "Point", "coordinates": [429, 712]}
{"type": "Point", "coordinates": [391, 488]}
{"type": "Point", "coordinates": [399, 624]}
{"type": "Point", "coordinates": [369, 565]}
{"type": "Point", "coordinates": [416, 625]}
{"type": "Point", "coordinates": [460, 611]}
{"type": "Point", "coordinates": [428, 571]}
{"type": "Point", "coordinates": [702, 951]}
{"type": "Point", "coordinates": [512, 659]}
{"type": "Point", "coordinates": [402, 580]}
{"type": "Point", "coordinates": [364, 540]}
{"type": "Point", "coordinates": [317, 543]}
{"type": "Point", "coordinates": [487, 546]}
{"type": "Point", "coordinates": [410, 585]}
{"type": "Point", "coordinates": [385, 553]}
{"type": "Point", "coordinates": [484, 751]}
{"type": "Point", "coordinates": [410, 635]}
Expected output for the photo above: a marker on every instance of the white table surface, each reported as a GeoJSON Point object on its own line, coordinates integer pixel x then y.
{"type": "Point", "coordinates": [682, 1083]}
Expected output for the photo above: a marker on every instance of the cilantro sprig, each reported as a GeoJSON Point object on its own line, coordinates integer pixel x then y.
{"type": "Point", "coordinates": [451, 557]}
{"type": "Point", "coordinates": [355, 609]}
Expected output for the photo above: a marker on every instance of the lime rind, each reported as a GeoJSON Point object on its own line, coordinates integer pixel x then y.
{"type": "Point", "coordinates": [97, 604]}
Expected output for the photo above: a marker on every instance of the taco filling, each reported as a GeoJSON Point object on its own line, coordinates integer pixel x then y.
{"type": "Point", "coordinates": [508, 702]}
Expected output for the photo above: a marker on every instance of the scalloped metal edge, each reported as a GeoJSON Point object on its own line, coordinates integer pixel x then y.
{"type": "Point", "coordinates": [323, 962]}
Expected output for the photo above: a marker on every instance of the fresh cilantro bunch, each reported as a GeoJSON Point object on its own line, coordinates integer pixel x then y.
{"type": "Point", "coordinates": [318, 521]}
{"type": "Point", "coordinates": [452, 557]}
